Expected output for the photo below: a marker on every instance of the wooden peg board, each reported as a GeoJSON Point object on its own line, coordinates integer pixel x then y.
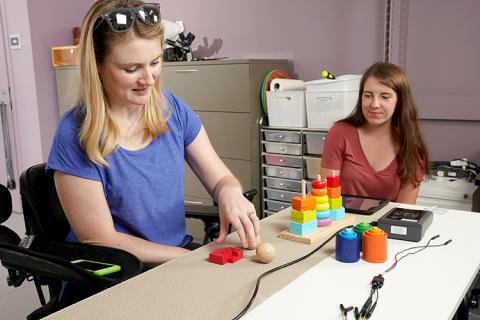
{"type": "Point", "coordinates": [320, 233]}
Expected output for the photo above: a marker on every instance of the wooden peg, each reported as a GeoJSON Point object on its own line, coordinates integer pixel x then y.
{"type": "Point", "coordinates": [304, 191]}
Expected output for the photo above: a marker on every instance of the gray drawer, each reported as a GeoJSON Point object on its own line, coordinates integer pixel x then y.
{"type": "Point", "coordinates": [276, 206]}
{"type": "Point", "coordinates": [315, 142]}
{"type": "Point", "coordinates": [68, 80]}
{"type": "Point", "coordinates": [284, 161]}
{"type": "Point", "coordinates": [210, 87]}
{"type": "Point", "coordinates": [292, 185]}
{"type": "Point", "coordinates": [268, 213]}
{"type": "Point", "coordinates": [283, 172]}
{"type": "Point", "coordinates": [281, 195]}
{"type": "Point", "coordinates": [282, 136]}
{"type": "Point", "coordinates": [283, 148]}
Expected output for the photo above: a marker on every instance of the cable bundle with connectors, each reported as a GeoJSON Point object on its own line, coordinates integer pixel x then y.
{"type": "Point", "coordinates": [366, 311]}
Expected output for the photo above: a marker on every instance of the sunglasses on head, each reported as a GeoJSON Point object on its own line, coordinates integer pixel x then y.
{"type": "Point", "coordinates": [122, 19]}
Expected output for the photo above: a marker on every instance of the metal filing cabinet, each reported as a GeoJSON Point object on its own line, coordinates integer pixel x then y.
{"type": "Point", "coordinates": [226, 96]}
{"type": "Point", "coordinates": [289, 155]}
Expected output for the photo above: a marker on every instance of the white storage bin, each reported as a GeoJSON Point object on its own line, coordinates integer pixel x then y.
{"type": "Point", "coordinates": [313, 166]}
{"type": "Point", "coordinates": [315, 142]}
{"type": "Point", "coordinates": [328, 100]}
{"type": "Point", "coordinates": [286, 109]}
{"type": "Point", "coordinates": [347, 82]}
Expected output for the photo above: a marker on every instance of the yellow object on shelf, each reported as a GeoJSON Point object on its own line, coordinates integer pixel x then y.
{"type": "Point", "coordinates": [65, 56]}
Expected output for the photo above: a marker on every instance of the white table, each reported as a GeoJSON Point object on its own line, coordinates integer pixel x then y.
{"type": "Point", "coordinates": [429, 285]}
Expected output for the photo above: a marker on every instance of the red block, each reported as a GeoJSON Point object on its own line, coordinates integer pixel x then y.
{"type": "Point", "coordinates": [224, 255]}
{"type": "Point", "coordinates": [333, 181]}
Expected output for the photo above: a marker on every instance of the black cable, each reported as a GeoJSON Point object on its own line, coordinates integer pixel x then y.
{"type": "Point", "coordinates": [370, 311]}
{"type": "Point", "coordinates": [407, 249]}
{"type": "Point", "coordinates": [368, 307]}
{"type": "Point", "coordinates": [266, 273]}
{"type": "Point", "coordinates": [420, 248]}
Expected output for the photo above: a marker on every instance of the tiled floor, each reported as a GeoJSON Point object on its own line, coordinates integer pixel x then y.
{"type": "Point", "coordinates": [16, 303]}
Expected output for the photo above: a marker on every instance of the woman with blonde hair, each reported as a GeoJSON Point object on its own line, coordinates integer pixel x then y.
{"type": "Point", "coordinates": [118, 155]}
{"type": "Point", "coordinates": [378, 150]}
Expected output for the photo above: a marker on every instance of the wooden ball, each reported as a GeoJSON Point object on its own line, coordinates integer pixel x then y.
{"type": "Point", "coordinates": [265, 252]}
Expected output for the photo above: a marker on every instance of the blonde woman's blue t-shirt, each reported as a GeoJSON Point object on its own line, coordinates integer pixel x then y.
{"type": "Point", "coordinates": [143, 188]}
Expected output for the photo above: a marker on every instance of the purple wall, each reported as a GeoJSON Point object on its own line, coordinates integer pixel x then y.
{"type": "Point", "coordinates": [51, 23]}
{"type": "Point", "coordinates": [25, 132]}
{"type": "Point", "coordinates": [438, 45]}
{"type": "Point", "coordinates": [341, 36]}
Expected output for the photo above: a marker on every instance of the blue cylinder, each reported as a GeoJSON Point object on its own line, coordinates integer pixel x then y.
{"type": "Point", "coordinates": [347, 247]}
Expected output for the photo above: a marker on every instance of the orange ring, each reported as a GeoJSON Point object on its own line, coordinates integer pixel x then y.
{"type": "Point", "coordinates": [375, 245]}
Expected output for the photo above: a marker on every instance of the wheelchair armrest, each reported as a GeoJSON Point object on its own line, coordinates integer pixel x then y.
{"type": "Point", "coordinates": [249, 194]}
{"type": "Point", "coordinates": [52, 260]}
{"type": "Point", "coordinates": [210, 216]}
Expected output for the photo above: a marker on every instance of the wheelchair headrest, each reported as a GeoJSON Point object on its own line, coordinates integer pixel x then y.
{"type": "Point", "coordinates": [5, 203]}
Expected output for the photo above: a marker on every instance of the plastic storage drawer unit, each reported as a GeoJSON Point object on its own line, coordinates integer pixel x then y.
{"type": "Point", "coordinates": [315, 142]}
{"type": "Point", "coordinates": [282, 136]}
{"type": "Point", "coordinates": [283, 148]}
{"type": "Point", "coordinates": [283, 184]}
{"type": "Point", "coordinates": [282, 160]}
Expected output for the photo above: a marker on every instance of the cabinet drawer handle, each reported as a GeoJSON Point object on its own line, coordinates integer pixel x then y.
{"type": "Point", "coordinates": [280, 136]}
{"type": "Point", "coordinates": [281, 148]}
{"type": "Point", "coordinates": [282, 184]}
{"type": "Point", "coordinates": [186, 71]}
{"type": "Point", "coordinates": [282, 196]}
{"type": "Point", "coordinates": [281, 160]}
{"type": "Point", "coordinates": [281, 172]}
{"type": "Point", "coordinates": [282, 207]}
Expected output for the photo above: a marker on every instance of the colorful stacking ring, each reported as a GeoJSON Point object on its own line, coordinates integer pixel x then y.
{"type": "Point", "coordinates": [360, 228]}
{"type": "Point", "coordinates": [375, 245]}
{"type": "Point", "coordinates": [347, 247]}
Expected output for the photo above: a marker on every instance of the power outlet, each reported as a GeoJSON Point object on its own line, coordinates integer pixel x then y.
{"type": "Point", "coordinates": [15, 41]}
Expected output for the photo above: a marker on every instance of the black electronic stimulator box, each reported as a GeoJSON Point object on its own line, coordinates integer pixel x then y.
{"type": "Point", "coordinates": [406, 224]}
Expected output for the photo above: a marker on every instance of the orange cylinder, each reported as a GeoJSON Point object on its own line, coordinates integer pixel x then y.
{"type": "Point", "coordinates": [375, 245]}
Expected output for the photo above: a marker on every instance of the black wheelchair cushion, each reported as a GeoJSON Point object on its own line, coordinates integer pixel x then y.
{"type": "Point", "coordinates": [8, 236]}
{"type": "Point", "coordinates": [5, 203]}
